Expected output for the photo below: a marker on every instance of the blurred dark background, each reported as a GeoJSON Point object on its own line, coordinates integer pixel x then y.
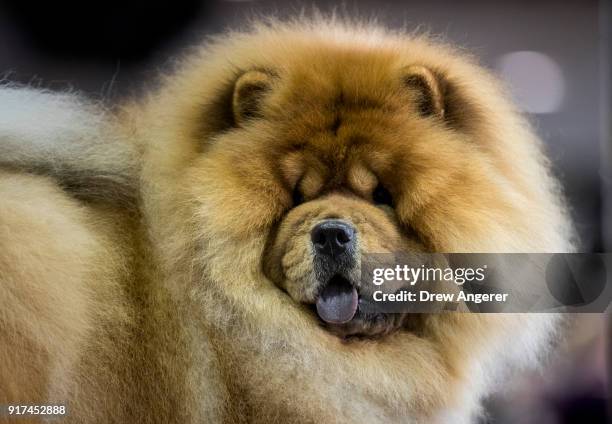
{"type": "Point", "coordinates": [554, 56]}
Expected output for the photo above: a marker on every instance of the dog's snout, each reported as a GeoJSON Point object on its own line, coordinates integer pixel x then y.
{"type": "Point", "coordinates": [333, 237]}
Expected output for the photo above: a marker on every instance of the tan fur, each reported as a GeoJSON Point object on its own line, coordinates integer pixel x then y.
{"type": "Point", "coordinates": [178, 307]}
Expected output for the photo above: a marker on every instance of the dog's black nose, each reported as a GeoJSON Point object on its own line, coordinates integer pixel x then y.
{"type": "Point", "coordinates": [333, 237]}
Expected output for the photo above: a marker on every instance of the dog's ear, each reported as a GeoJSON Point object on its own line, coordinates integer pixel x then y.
{"type": "Point", "coordinates": [249, 90]}
{"type": "Point", "coordinates": [428, 88]}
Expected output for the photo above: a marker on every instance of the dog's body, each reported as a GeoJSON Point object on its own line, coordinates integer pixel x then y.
{"type": "Point", "coordinates": [141, 281]}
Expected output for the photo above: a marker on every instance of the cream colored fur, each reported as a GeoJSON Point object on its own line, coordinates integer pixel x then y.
{"type": "Point", "coordinates": [131, 286]}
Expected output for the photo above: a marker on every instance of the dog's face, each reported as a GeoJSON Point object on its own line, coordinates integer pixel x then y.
{"type": "Point", "coordinates": [340, 153]}
{"type": "Point", "coordinates": [341, 163]}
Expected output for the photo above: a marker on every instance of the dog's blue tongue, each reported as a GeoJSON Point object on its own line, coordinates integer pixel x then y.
{"type": "Point", "coordinates": [338, 301]}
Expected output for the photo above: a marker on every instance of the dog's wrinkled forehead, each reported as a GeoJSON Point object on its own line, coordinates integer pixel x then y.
{"type": "Point", "coordinates": [335, 111]}
{"type": "Point", "coordinates": [337, 134]}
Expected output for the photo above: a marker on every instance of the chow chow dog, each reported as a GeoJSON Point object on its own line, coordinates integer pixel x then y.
{"type": "Point", "coordinates": [193, 255]}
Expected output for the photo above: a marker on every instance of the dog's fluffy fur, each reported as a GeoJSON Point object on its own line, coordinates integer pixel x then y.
{"type": "Point", "coordinates": [146, 251]}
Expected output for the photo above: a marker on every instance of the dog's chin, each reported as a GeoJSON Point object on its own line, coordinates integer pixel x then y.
{"type": "Point", "coordinates": [353, 322]}
{"type": "Point", "coordinates": [367, 326]}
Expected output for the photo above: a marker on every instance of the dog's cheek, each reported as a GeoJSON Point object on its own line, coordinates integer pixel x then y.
{"type": "Point", "coordinates": [232, 203]}
{"type": "Point", "coordinates": [297, 266]}
{"type": "Point", "coordinates": [383, 237]}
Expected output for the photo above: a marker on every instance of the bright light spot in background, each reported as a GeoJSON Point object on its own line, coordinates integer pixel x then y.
{"type": "Point", "coordinates": [535, 79]}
